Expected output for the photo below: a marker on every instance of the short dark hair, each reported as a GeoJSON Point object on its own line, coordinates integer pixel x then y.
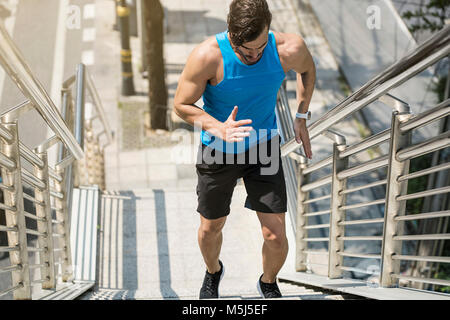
{"type": "Point", "coordinates": [247, 19]}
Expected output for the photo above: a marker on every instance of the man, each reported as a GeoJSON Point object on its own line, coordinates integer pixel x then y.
{"type": "Point", "coordinates": [238, 73]}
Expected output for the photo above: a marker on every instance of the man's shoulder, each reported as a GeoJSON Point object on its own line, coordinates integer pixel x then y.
{"type": "Point", "coordinates": [289, 44]}
{"type": "Point", "coordinates": [204, 59]}
{"type": "Point", "coordinates": [207, 52]}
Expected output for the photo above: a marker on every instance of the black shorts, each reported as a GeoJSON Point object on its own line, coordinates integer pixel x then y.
{"type": "Point", "coordinates": [263, 179]}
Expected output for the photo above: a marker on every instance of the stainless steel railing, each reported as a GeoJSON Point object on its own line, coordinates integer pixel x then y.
{"type": "Point", "coordinates": [90, 169]}
{"type": "Point", "coordinates": [300, 182]}
{"type": "Point", "coordinates": [51, 188]}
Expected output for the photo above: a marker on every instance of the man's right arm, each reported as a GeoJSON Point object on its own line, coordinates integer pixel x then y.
{"type": "Point", "coordinates": [200, 67]}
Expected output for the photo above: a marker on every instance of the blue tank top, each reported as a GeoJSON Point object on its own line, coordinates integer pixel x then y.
{"type": "Point", "coordinates": [253, 88]}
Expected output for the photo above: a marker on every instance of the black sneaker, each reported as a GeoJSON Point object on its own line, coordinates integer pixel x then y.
{"type": "Point", "coordinates": [210, 287]}
{"type": "Point", "coordinates": [268, 290]}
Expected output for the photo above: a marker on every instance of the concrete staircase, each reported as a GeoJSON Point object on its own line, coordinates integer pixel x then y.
{"type": "Point", "coordinates": [148, 221]}
{"type": "Point", "coordinates": [290, 292]}
{"type": "Point", "coordinates": [147, 240]}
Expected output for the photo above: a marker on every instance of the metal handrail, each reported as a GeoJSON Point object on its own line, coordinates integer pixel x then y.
{"type": "Point", "coordinates": [370, 165]}
{"type": "Point", "coordinates": [370, 185]}
{"type": "Point", "coordinates": [15, 66]}
{"type": "Point", "coordinates": [427, 215]}
{"type": "Point", "coordinates": [100, 110]}
{"type": "Point", "coordinates": [318, 165]}
{"type": "Point", "coordinates": [424, 280]}
{"type": "Point", "coordinates": [318, 183]}
{"type": "Point", "coordinates": [362, 204]}
{"type": "Point", "coordinates": [425, 55]}
{"type": "Point", "coordinates": [436, 113]}
{"type": "Point", "coordinates": [419, 258]}
{"type": "Point", "coordinates": [84, 84]}
{"type": "Point", "coordinates": [317, 199]}
{"type": "Point", "coordinates": [317, 213]}
{"type": "Point", "coordinates": [48, 183]}
{"type": "Point", "coordinates": [363, 221]}
{"type": "Point", "coordinates": [397, 162]}
{"type": "Point", "coordinates": [439, 142]}
{"type": "Point", "coordinates": [365, 144]}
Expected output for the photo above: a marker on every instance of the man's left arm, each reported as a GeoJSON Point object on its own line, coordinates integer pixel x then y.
{"type": "Point", "coordinates": [303, 63]}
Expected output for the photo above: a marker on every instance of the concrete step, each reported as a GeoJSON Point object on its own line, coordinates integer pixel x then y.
{"type": "Point", "coordinates": [150, 167]}
{"type": "Point", "coordinates": [289, 291]}
{"type": "Point", "coordinates": [358, 289]}
{"type": "Point", "coordinates": [148, 246]}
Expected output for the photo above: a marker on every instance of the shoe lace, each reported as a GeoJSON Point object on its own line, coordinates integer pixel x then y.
{"type": "Point", "coordinates": [210, 285]}
{"type": "Point", "coordinates": [271, 290]}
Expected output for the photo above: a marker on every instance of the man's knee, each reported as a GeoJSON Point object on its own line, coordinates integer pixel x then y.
{"type": "Point", "coordinates": [211, 228]}
{"type": "Point", "coordinates": [273, 229]}
{"type": "Point", "coordinates": [275, 238]}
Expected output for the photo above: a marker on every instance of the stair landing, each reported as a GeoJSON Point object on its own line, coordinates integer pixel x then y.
{"type": "Point", "coordinates": [148, 248]}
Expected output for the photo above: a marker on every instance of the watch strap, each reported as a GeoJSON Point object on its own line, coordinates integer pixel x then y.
{"type": "Point", "coordinates": [306, 115]}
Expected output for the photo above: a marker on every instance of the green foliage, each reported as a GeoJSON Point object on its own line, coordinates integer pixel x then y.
{"type": "Point", "coordinates": [343, 85]}
{"type": "Point", "coordinates": [444, 268]}
{"type": "Point", "coordinates": [431, 16]}
{"type": "Point", "coordinates": [439, 88]}
{"type": "Point", "coordinates": [417, 184]}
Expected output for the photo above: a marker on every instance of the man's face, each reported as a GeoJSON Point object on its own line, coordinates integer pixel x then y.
{"type": "Point", "coordinates": [252, 51]}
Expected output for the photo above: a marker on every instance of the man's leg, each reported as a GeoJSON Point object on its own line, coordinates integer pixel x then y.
{"type": "Point", "coordinates": [275, 247]}
{"type": "Point", "coordinates": [210, 241]}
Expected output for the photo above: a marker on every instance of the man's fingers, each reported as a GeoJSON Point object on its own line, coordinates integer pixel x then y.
{"type": "Point", "coordinates": [242, 129]}
{"type": "Point", "coordinates": [307, 148]}
{"type": "Point", "coordinates": [240, 134]}
{"type": "Point", "coordinates": [238, 129]}
{"type": "Point", "coordinates": [243, 122]}
{"type": "Point", "coordinates": [233, 113]}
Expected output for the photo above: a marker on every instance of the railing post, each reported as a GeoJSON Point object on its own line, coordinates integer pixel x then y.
{"type": "Point", "coordinates": [63, 206]}
{"type": "Point", "coordinates": [63, 226]}
{"type": "Point", "coordinates": [301, 232]}
{"type": "Point", "coordinates": [394, 208]}
{"type": "Point", "coordinates": [99, 165]}
{"type": "Point", "coordinates": [90, 164]}
{"type": "Point", "coordinates": [44, 211]}
{"type": "Point", "coordinates": [78, 112]}
{"type": "Point", "coordinates": [336, 215]}
{"type": "Point", "coordinates": [14, 199]}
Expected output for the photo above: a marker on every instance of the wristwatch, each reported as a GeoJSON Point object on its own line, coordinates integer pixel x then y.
{"type": "Point", "coordinates": [306, 115]}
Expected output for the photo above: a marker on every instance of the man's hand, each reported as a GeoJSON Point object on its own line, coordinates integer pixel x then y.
{"type": "Point", "coordinates": [302, 136]}
{"type": "Point", "coordinates": [232, 130]}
